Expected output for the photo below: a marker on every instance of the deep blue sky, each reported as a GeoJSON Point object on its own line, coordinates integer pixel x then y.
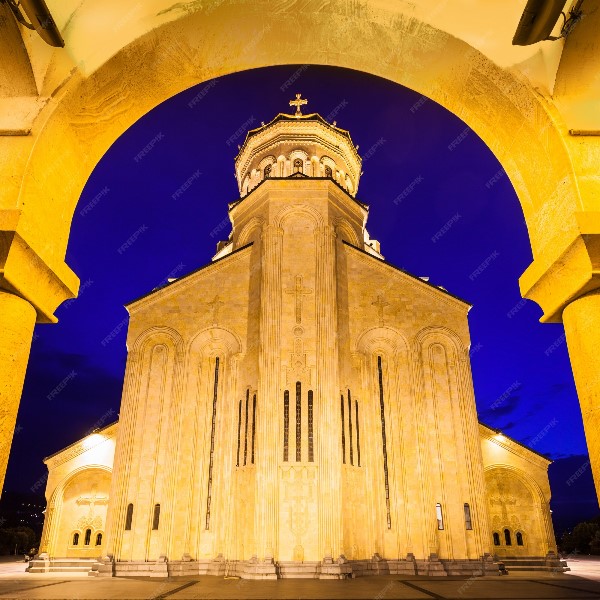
{"type": "Point", "coordinates": [522, 377]}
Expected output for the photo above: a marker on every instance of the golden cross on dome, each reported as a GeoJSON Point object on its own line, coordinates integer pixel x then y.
{"type": "Point", "coordinates": [298, 102]}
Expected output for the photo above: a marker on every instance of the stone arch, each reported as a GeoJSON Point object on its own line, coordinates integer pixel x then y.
{"type": "Point", "coordinates": [247, 232]}
{"type": "Point", "coordinates": [154, 335]}
{"type": "Point", "coordinates": [209, 340]}
{"type": "Point", "coordinates": [517, 503]}
{"type": "Point", "coordinates": [298, 209]}
{"type": "Point", "coordinates": [346, 231]}
{"type": "Point", "coordinates": [67, 517]}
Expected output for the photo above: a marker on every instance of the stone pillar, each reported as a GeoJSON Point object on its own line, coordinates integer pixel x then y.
{"type": "Point", "coordinates": [329, 452]}
{"type": "Point", "coordinates": [17, 320]}
{"type": "Point", "coordinates": [581, 319]}
{"type": "Point", "coordinates": [268, 443]}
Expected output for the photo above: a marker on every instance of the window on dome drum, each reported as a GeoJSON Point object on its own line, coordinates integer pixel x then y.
{"type": "Point", "coordinates": [350, 428]}
{"type": "Point", "coordinates": [357, 434]}
{"type": "Point", "coordinates": [88, 537]}
{"type": "Point", "coordinates": [286, 425]}
{"type": "Point", "coordinates": [156, 516]}
{"type": "Point", "coordinates": [343, 432]}
{"type": "Point", "coordinates": [311, 454]}
{"type": "Point", "coordinates": [439, 516]}
{"type": "Point", "coordinates": [383, 439]}
{"type": "Point", "coordinates": [496, 538]}
{"type": "Point", "coordinates": [99, 539]}
{"type": "Point", "coordinates": [519, 537]}
{"type": "Point", "coordinates": [298, 165]}
{"type": "Point", "coordinates": [212, 443]}
{"type": "Point", "coordinates": [75, 539]}
{"type": "Point", "coordinates": [468, 523]}
{"type": "Point", "coordinates": [328, 172]}
{"type": "Point", "coordinates": [268, 171]}
{"type": "Point", "coordinates": [129, 517]}
{"type": "Point", "coordinates": [298, 421]}
{"type": "Point", "coordinates": [237, 462]}
{"type": "Point", "coordinates": [507, 539]}
{"type": "Point", "coordinates": [246, 427]}
{"type": "Point", "coordinates": [253, 427]}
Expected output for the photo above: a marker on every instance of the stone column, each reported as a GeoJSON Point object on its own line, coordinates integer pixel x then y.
{"type": "Point", "coordinates": [329, 452]}
{"type": "Point", "coordinates": [268, 443]}
{"type": "Point", "coordinates": [17, 320]}
{"type": "Point", "coordinates": [581, 319]}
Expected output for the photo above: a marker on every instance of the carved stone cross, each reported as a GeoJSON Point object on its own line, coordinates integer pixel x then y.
{"type": "Point", "coordinates": [380, 303]}
{"type": "Point", "coordinates": [299, 291]}
{"type": "Point", "coordinates": [216, 306]}
{"type": "Point", "coordinates": [92, 500]}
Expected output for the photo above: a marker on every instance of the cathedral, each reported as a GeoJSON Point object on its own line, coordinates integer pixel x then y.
{"type": "Point", "coordinates": [298, 407]}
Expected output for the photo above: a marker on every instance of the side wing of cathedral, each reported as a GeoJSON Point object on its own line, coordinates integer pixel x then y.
{"type": "Point", "coordinates": [298, 407]}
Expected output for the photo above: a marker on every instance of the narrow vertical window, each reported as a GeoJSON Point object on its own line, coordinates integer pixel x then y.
{"type": "Point", "coordinates": [507, 539]}
{"type": "Point", "coordinates": [383, 439]}
{"type": "Point", "coordinates": [212, 442]}
{"type": "Point", "coordinates": [129, 517]}
{"type": "Point", "coordinates": [75, 539]}
{"type": "Point", "coordinates": [468, 522]}
{"type": "Point", "coordinates": [496, 538]}
{"type": "Point", "coordinates": [357, 434]}
{"type": "Point", "coordinates": [156, 516]}
{"type": "Point", "coordinates": [253, 427]}
{"type": "Point", "coordinates": [519, 537]}
{"type": "Point", "coordinates": [350, 428]}
{"type": "Point", "coordinates": [88, 537]}
{"type": "Point", "coordinates": [439, 516]}
{"type": "Point", "coordinates": [298, 165]}
{"type": "Point", "coordinates": [99, 539]}
{"type": "Point", "coordinates": [286, 425]}
{"type": "Point", "coordinates": [311, 455]}
{"type": "Point", "coordinates": [343, 431]}
{"type": "Point", "coordinates": [246, 427]}
{"type": "Point", "coordinates": [298, 421]}
{"type": "Point", "coordinates": [267, 171]}
{"type": "Point", "coordinates": [237, 462]}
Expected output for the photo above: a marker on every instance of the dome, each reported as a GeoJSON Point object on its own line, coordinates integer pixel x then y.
{"type": "Point", "coordinates": [298, 145]}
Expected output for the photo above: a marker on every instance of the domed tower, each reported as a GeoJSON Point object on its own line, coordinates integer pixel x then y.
{"type": "Point", "coordinates": [298, 407]}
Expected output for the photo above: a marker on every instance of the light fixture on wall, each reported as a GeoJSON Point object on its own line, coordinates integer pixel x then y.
{"type": "Point", "coordinates": [40, 19]}
{"type": "Point", "coordinates": [539, 19]}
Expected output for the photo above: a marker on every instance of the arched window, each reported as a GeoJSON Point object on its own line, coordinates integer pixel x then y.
{"type": "Point", "coordinates": [328, 171]}
{"type": "Point", "coordinates": [268, 171]}
{"type": "Point", "coordinates": [496, 538]}
{"type": "Point", "coordinates": [129, 517]}
{"type": "Point", "coordinates": [507, 539]}
{"type": "Point", "coordinates": [156, 516]}
{"type": "Point", "coordinates": [439, 515]}
{"type": "Point", "coordinates": [468, 523]}
{"type": "Point", "coordinates": [298, 165]}
{"type": "Point", "coordinates": [88, 537]}
{"type": "Point", "coordinates": [519, 537]}
{"type": "Point", "coordinates": [98, 539]}
{"type": "Point", "coordinates": [75, 539]}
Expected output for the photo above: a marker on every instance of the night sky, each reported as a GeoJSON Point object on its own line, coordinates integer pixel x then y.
{"type": "Point", "coordinates": [440, 205]}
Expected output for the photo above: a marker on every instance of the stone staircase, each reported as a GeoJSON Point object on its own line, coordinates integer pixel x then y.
{"type": "Point", "coordinates": [550, 563]}
{"type": "Point", "coordinates": [60, 565]}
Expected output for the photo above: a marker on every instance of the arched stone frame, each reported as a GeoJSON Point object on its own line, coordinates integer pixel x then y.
{"type": "Point", "coordinates": [248, 232]}
{"type": "Point", "coordinates": [270, 161]}
{"type": "Point", "coordinates": [327, 161]}
{"type": "Point", "coordinates": [54, 511]}
{"type": "Point", "coordinates": [75, 532]}
{"type": "Point", "coordinates": [118, 541]}
{"type": "Point", "coordinates": [406, 526]}
{"type": "Point", "coordinates": [246, 186]}
{"type": "Point", "coordinates": [203, 348]}
{"type": "Point", "coordinates": [299, 154]}
{"type": "Point", "coordinates": [465, 436]}
{"type": "Point", "coordinates": [349, 186]}
{"type": "Point", "coordinates": [285, 213]}
{"type": "Point", "coordinates": [542, 516]}
{"type": "Point", "coordinates": [345, 230]}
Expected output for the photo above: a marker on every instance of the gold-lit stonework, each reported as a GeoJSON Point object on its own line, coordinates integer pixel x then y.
{"type": "Point", "coordinates": [299, 407]}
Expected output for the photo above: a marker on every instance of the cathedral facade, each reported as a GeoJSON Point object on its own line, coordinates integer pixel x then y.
{"type": "Point", "coordinates": [298, 407]}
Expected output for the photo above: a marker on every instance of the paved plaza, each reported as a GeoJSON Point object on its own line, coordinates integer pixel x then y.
{"type": "Point", "coordinates": [583, 582]}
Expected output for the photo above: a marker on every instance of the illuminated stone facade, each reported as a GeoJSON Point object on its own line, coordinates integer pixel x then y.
{"type": "Point", "coordinates": [301, 408]}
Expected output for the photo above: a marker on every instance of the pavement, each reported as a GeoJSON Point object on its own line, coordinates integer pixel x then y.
{"type": "Point", "coordinates": [583, 582]}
